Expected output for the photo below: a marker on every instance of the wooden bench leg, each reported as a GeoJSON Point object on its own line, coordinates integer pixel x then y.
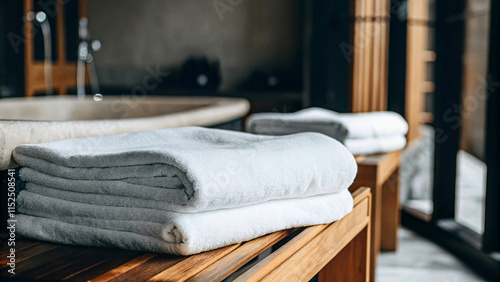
{"type": "Point", "coordinates": [370, 180]}
{"type": "Point", "coordinates": [375, 228]}
{"type": "Point", "coordinates": [352, 263]}
{"type": "Point", "coordinates": [390, 213]}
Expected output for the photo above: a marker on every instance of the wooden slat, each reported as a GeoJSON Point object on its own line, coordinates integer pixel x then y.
{"type": "Point", "coordinates": [368, 47]}
{"type": "Point", "coordinates": [377, 75]}
{"type": "Point", "coordinates": [57, 266]}
{"type": "Point", "coordinates": [385, 8]}
{"type": "Point", "coordinates": [239, 257]}
{"type": "Point", "coordinates": [367, 67]}
{"type": "Point", "coordinates": [310, 259]}
{"type": "Point", "coordinates": [26, 253]}
{"type": "Point", "coordinates": [264, 267]}
{"type": "Point", "coordinates": [378, 9]}
{"type": "Point", "coordinates": [359, 8]}
{"type": "Point", "coordinates": [29, 265]}
{"type": "Point", "coordinates": [149, 268]}
{"type": "Point", "coordinates": [124, 267]}
{"type": "Point", "coordinates": [23, 244]}
{"type": "Point", "coordinates": [82, 265]}
{"type": "Point", "coordinates": [192, 265]}
{"type": "Point", "coordinates": [370, 70]}
{"type": "Point", "coordinates": [384, 61]}
{"type": "Point", "coordinates": [108, 261]}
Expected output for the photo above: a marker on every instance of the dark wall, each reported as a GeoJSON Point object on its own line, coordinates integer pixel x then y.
{"type": "Point", "coordinates": [243, 35]}
{"type": "Point", "coordinates": [11, 48]}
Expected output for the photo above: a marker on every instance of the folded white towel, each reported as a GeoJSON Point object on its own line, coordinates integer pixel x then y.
{"type": "Point", "coordinates": [375, 145]}
{"type": "Point", "coordinates": [60, 221]}
{"type": "Point", "coordinates": [199, 169]}
{"type": "Point", "coordinates": [336, 125]}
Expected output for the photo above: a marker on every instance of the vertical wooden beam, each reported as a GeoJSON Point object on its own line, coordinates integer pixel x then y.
{"type": "Point", "coordinates": [449, 38]}
{"type": "Point", "coordinates": [369, 73]}
{"type": "Point", "coordinates": [368, 51]}
{"type": "Point", "coordinates": [390, 213]}
{"type": "Point", "coordinates": [491, 241]}
{"type": "Point", "coordinates": [384, 55]}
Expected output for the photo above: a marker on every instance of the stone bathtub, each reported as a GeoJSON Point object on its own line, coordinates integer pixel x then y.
{"type": "Point", "coordinates": [44, 119]}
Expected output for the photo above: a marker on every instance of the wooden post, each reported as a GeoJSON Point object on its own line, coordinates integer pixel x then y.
{"type": "Point", "coordinates": [352, 263]}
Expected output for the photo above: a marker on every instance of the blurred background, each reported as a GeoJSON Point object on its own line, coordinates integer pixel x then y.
{"type": "Point", "coordinates": [434, 62]}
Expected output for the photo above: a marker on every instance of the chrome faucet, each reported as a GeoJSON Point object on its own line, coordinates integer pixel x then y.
{"type": "Point", "coordinates": [85, 58]}
{"type": "Point", "coordinates": [41, 18]}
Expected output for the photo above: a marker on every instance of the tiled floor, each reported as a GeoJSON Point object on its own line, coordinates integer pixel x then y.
{"type": "Point", "coordinates": [418, 259]}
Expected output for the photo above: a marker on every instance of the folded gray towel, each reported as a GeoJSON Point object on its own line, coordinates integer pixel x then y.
{"type": "Point", "coordinates": [361, 133]}
{"type": "Point", "coordinates": [347, 125]}
{"type": "Point", "coordinates": [195, 169]}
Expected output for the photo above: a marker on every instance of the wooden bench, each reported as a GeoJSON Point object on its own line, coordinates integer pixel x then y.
{"type": "Point", "coordinates": [337, 251]}
{"type": "Point", "coordinates": [381, 173]}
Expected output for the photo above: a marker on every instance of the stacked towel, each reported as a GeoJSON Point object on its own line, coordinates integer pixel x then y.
{"type": "Point", "coordinates": [361, 133]}
{"type": "Point", "coordinates": [180, 191]}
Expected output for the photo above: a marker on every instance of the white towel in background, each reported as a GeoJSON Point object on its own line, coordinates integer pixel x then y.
{"type": "Point", "coordinates": [60, 221]}
{"type": "Point", "coordinates": [199, 169]}
{"type": "Point", "coordinates": [357, 125]}
{"type": "Point", "coordinates": [375, 145]}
